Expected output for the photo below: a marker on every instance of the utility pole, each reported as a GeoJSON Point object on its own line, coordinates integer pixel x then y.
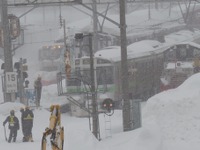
{"type": "Point", "coordinates": [95, 26]}
{"type": "Point", "coordinates": [95, 117]}
{"type": "Point", "coordinates": [65, 36]}
{"type": "Point", "coordinates": [149, 11]}
{"type": "Point", "coordinates": [21, 82]}
{"type": "Point", "coordinates": [124, 69]}
{"type": "Point", "coordinates": [6, 44]}
{"type": "Point", "coordinates": [94, 113]}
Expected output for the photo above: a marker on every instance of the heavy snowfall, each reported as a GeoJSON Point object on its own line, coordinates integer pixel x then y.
{"type": "Point", "coordinates": [170, 119]}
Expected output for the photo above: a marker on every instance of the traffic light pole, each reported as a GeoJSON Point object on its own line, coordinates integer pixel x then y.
{"type": "Point", "coordinates": [95, 117]}
{"type": "Point", "coordinates": [124, 69]}
{"type": "Point", "coordinates": [21, 81]}
{"type": "Point", "coordinates": [95, 25]}
{"type": "Point", "coordinates": [6, 45]}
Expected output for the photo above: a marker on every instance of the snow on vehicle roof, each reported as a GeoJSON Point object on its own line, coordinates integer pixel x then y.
{"type": "Point", "coordinates": [191, 44]}
{"type": "Point", "coordinates": [145, 48]}
{"type": "Point", "coordinates": [182, 36]}
{"type": "Point", "coordinates": [110, 53]}
{"type": "Point", "coordinates": [149, 47]}
{"type": "Point", "coordinates": [141, 48]}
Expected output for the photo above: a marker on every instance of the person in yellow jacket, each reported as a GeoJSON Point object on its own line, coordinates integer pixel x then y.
{"type": "Point", "coordinates": [13, 125]}
{"type": "Point", "coordinates": [27, 117]}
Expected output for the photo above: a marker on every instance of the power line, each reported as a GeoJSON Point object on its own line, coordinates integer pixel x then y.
{"type": "Point", "coordinates": [77, 2]}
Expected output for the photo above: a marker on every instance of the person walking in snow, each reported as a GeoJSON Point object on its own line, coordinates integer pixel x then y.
{"type": "Point", "coordinates": [13, 125]}
{"type": "Point", "coordinates": [38, 90]}
{"type": "Point", "coordinates": [27, 117]}
{"type": "Point", "coordinates": [22, 112]}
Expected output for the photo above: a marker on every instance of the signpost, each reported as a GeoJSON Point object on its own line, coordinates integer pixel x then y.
{"type": "Point", "coordinates": [11, 82]}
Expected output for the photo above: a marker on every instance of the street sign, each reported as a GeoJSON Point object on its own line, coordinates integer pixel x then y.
{"type": "Point", "coordinates": [11, 82]}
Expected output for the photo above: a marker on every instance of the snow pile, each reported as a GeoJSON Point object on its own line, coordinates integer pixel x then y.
{"type": "Point", "coordinates": [170, 121]}
{"type": "Point", "coordinates": [177, 112]}
{"type": "Point", "coordinates": [12, 106]}
{"type": "Point", "coordinates": [52, 97]}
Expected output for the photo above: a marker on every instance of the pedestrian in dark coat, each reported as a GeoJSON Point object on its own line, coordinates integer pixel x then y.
{"type": "Point", "coordinates": [13, 125]}
{"type": "Point", "coordinates": [38, 90]}
{"type": "Point", "coordinates": [22, 112]}
{"type": "Point", "coordinates": [27, 124]}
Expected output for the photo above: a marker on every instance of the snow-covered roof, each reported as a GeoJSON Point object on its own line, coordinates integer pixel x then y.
{"type": "Point", "coordinates": [110, 53]}
{"type": "Point", "coordinates": [191, 44]}
{"type": "Point", "coordinates": [182, 36]}
{"type": "Point", "coordinates": [149, 47]}
{"type": "Point", "coordinates": [137, 49]}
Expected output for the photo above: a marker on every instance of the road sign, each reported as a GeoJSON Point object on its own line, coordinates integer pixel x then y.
{"type": "Point", "coordinates": [11, 82]}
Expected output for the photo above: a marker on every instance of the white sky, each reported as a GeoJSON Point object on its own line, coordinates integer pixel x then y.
{"type": "Point", "coordinates": [170, 120]}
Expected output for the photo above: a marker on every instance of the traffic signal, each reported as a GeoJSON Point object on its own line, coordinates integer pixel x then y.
{"type": "Point", "coordinates": [26, 83]}
{"type": "Point", "coordinates": [14, 25]}
{"type": "Point", "coordinates": [21, 68]}
{"type": "Point", "coordinates": [78, 36]}
{"type": "Point", "coordinates": [17, 65]}
{"type": "Point", "coordinates": [108, 104]}
{"type": "Point", "coordinates": [25, 75]}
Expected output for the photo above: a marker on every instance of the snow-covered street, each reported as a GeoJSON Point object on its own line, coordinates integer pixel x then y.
{"type": "Point", "coordinates": [170, 120]}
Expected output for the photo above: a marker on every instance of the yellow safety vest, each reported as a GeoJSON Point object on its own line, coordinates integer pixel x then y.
{"type": "Point", "coordinates": [28, 117]}
{"type": "Point", "coordinates": [11, 121]}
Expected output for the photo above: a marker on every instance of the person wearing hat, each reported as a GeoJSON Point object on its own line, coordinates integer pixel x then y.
{"type": "Point", "coordinates": [13, 125]}
{"type": "Point", "coordinates": [27, 117]}
{"type": "Point", "coordinates": [38, 90]}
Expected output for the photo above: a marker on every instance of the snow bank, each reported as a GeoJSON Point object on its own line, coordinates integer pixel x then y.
{"type": "Point", "coordinates": [177, 111]}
